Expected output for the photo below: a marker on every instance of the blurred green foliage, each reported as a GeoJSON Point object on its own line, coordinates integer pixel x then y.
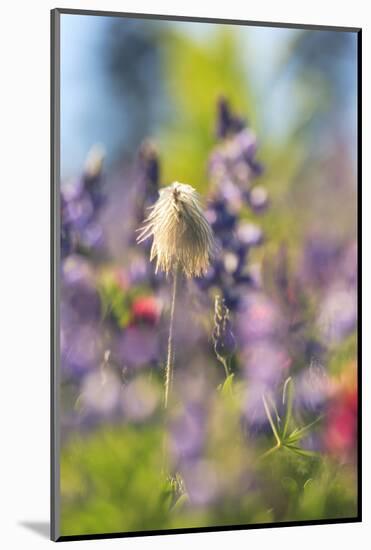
{"type": "Point", "coordinates": [343, 355]}
{"type": "Point", "coordinates": [198, 73]}
{"type": "Point", "coordinates": [114, 480]}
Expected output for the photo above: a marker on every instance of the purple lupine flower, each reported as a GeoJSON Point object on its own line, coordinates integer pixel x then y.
{"type": "Point", "coordinates": [258, 199]}
{"type": "Point", "coordinates": [337, 316]}
{"type": "Point", "coordinates": [187, 433]}
{"type": "Point", "coordinates": [202, 482]}
{"type": "Point", "coordinates": [80, 294]}
{"type": "Point", "coordinates": [258, 320]}
{"type": "Point", "coordinates": [249, 234]}
{"type": "Point", "coordinates": [321, 259]}
{"type": "Point", "coordinates": [81, 346]}
{"type": "Point", "coordinates": [147, 183]}
{"type": "Point", "coordinates": [147, 176]}
{"type": "Point", "coordinates": [313, 389]}
{"type": "Point", "coordinates": [227, 122]}
{"type": "Point", "coordinates": [234, 160]}
{"type": "Point", "coordinates": [81, 202]}
{"type": "Point", "coordinates": [150, 167]}
{"type": "Point", "coordinates": [266, 363]}
{"type": "Point", "coordinates": [137, 346]}
{"type": "Point", "coordinates": [348, 264]}
{"type": "Point", "coordinates": [222, 336]}
{"type": "Point", "coordinates": [232, 168]}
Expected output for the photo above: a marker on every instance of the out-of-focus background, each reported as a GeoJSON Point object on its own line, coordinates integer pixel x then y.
{"type": "Point", "coordinates": [262, 122]}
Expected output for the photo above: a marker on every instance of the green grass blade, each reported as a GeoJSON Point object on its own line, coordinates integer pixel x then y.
{"type": "Point", "coordinates": [273, 406]}
{"type": "Point", "coordinates": [287, 398]}
{"type": "Point", "coordinates": [269, 416]}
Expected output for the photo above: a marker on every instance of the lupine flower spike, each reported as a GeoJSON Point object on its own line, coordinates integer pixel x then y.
{"type": "Point", "coordinates": [223, 337]}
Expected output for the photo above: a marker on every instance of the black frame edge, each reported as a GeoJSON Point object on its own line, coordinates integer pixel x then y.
{"type": "Point", "coordinates": [359, 268]}
{"type": "Point", "coordinates": [192, 530]}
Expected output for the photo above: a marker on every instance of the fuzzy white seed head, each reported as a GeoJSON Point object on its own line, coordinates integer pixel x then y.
{"type": "Point", "coordinates": [182, 237]}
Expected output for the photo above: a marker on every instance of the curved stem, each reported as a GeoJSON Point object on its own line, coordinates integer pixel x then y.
{"type": "Point", "coordinates": [225, 365]}
{"type": "Point", "coordinates": [221, 360]}
{"type": "Point", "coordinates": [170, 344]}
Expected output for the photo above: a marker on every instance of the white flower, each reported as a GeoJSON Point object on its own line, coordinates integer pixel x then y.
{"type": "Point", "coordinates": [182, 236]}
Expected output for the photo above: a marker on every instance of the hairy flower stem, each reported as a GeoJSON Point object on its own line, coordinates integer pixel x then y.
{"type": "Point", "coordinates": [170, 344]}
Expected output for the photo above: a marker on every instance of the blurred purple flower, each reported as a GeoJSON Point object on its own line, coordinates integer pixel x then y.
{"type": "Point", "coordinates": [81, 346]}
{"type": "Point", "coordinates": [266, 363]}
{"type": "Point", "coordinates": [138, 346]}
{"type": "Point", "coordinates": [100, 392]}
{"type": "Point", "coordinates": [320, 262]}
{"type": "Point", "coordinates": [249, 234]}
{"type": "Point", "coordinates": [80, 294]}
{"type": "Point", "coordinates": [227, 122]}
{"type": "Point", "coordinates": [258, 199]}
{"type": "Point", "coordinates": [139, 400]}
{"type": "Point", "coordinates": [232, 167]}
{"type": "Point", "coordinates": [187, 433]}
{"type": "Point", "coordinates": [258, 319]}
{"type": "Point", "coordinates": [312, 389]}
{"type": "Point", "coordinates": [201, 482]}
{"type": "Point", "coordinates": [253, 411]}
{"type": "Point", "coordinates": [337, 316]}
{"type": "Point", "coordinates": [81, 202]}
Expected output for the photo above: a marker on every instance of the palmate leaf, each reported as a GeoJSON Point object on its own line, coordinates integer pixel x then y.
{"type": "Point", "coordinates": [301, 452]}
{"type": "Point", "coordinates": [299, 433]}
{"type": "Point", "coordinates": [283, 440]}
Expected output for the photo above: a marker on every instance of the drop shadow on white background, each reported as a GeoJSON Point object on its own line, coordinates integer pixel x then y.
{"type": "Point", "coordinates": [41, 528]}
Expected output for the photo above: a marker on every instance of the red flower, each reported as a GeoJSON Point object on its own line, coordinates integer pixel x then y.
{"type": "Point", "coordinates": [146, 309]}
{"type": "Point", "coordinates": [341, 433]}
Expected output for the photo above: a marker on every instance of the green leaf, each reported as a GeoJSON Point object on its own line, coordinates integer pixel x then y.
{"type": "Point", "coordinates": [290, 485]}
{"type": "Point", "coordinates": [180, 503]}
{"type": "Point", "coordinates": [226, 388]}
{"type": "Point", "coordinates": [302, 452]}
{"type": "Point", "coordinates": [274, 407]}
{"type": "Point", "coordinates": [287, 398]}
{"type": "Point", "coordinates": [307, 483]}
{"type": "Point", "coordinates": [269, 416]}
{"type": "Point", "coordinates": [298, 434]}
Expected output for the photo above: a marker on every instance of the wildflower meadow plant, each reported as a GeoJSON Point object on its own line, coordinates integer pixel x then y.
{"type": "Point", "coordinates": [222, 336]}
{"type": "Point", "coordinates": [81, 202]}
{"type": "Point", "coordinates": [232, 169]}
{"type": "Point", "coordinates": [183, 243]}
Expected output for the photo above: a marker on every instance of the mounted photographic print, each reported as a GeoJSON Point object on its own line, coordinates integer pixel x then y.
{"type": "Point", "coordinates": [205, 191]}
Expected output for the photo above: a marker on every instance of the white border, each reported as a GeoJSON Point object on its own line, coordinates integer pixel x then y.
{"type": "Point", "coordinates": [24, 285]}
